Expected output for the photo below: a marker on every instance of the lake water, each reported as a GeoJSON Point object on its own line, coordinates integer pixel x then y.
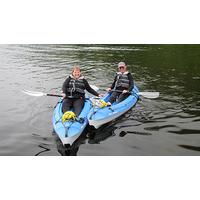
{"type": "Point", "coordinates": [169, 125]}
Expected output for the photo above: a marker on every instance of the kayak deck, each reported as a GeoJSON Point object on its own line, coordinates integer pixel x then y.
{"type": "Point", "coordinates": [99, 116]}
{"type": "Point", "coordinates": [69, 131]}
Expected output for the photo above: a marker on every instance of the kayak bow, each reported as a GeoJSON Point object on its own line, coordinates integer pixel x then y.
{"type": "Point", "coordinates": [70, 130]}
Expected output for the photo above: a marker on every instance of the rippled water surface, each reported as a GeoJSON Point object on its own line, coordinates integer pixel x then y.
{"type": "Point", "coordinates": [169, 125]}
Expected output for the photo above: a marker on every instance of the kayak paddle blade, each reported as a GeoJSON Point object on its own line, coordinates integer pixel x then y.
{"type": "Point", "coordinates": [32, 93]}
{"type": "Point", "coordinates": [150, 95]}
{"type": "Point", "coordinates": [94, 87]}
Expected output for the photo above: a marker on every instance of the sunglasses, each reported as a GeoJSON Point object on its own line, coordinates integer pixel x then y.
{"type": "Point", "coordinates": [121, 67]}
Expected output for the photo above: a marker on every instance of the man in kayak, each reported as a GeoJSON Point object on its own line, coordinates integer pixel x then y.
{"type": "Point", "coordinates": [73, 91]}
{"type": "Point", "coordinates": [122, 85]}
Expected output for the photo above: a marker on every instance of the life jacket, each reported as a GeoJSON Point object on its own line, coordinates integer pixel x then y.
{"type": "Point", "coordinates": [122, 80]}
{"type": "Point", "coordinates": [76, 85]}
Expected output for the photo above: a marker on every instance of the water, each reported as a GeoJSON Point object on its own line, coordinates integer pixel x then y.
{"type": "Point", "coordinates": [169, 125]}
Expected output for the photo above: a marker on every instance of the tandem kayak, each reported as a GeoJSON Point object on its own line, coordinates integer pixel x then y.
{"type": "Point", "coordinates": [99, 116]}
{"type": "Point", "coordinates": [69, 131]}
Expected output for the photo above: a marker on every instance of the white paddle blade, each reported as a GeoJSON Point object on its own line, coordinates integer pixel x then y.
{"type": "Point", "coordinates": [94, 87]}
{"type": "Point", "coordinates": [32, 93]}
{"type": "Point", "coordinates": [150, 95]}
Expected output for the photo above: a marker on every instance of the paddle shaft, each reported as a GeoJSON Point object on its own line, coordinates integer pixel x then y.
{"type": "Point", "coordinates": [150, 95]}
{"type": "Point", "coordinates": [54, 95]}
{"type": "Point", "coordinates": [70, 97]}
{"type": "Point", "coordinates": [120, 91]}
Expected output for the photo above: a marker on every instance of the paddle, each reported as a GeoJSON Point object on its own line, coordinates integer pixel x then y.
{"type": "Point", "coordinates": [150, 95]}
{"type": "Point", "coordinates": [40, 94]}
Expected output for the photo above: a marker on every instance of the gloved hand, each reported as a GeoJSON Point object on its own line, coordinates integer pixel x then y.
{"type": "Point", "coordinates": [63, 95]}
{"type": "Point", "coordinates": [124, 91]}
{"type": "Point", "coordinates": [108, 89]}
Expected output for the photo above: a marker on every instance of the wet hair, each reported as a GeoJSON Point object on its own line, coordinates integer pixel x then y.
{"type": "Point", "coordinates": [76, 67]}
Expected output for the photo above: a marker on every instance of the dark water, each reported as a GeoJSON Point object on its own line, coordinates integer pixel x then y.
{"type": "Point", "coordinates": [169, 125]}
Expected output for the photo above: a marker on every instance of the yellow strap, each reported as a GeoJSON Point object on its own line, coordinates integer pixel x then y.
{"type": "Point", "coordinates": [102, 103]}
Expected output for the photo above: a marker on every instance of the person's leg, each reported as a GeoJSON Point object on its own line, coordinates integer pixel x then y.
{"type": "Point", "coordinates": [78, 106]}
{"type": "Point", "coordinates": [113, 97]}
{"type": "Point", "coordinates": [122, 97]}
{"type": "Point", "coordinates": [66, 105]}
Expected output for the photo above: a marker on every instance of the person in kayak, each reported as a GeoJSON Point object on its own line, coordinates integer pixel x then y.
{"type": "Point", "coordinates": [73, 91]}
{"type": "Point", "coordinates": [123, 84]}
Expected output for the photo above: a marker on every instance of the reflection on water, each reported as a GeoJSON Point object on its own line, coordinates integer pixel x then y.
{"type": "Point", "coordinates": [67, 150]}
{"type": "Point", "coordinates": [42, 146]}
{"type": "Point", "coordinates": [101, 134]}
{"type": "Point", "coordinates": [90, 136]}
{"type": "Point", "coordinates": [168, 125]}
{"type": "Point", "coordinates": [194, 148]}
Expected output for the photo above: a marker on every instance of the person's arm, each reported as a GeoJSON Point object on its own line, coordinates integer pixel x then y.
{"type": "Point", "coordinates": [65, 85]}
{"type": "Point", "coordinates": [113, 84]}
{"type": "Point", "coordinates": [89, 89]}
{"type": "Point", "coordinates": [131, 85]}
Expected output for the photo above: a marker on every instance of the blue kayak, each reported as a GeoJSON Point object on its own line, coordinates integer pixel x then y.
{"type": "Point", "coordinates": [69, 131]}
{"type": "Point", "coordinates": [99, 116]}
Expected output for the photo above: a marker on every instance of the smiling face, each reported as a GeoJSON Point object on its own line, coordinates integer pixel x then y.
{"type": "Point", "coordinates": [76, 73]}
{"type": "Point", "coordinates": [122, 69]}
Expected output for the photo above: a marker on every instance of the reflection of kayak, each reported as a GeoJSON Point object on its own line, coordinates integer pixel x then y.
{"type": "Point", "coordinates": [99, 116]}
{"type": "Point", "coordinates": [69, 131]}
